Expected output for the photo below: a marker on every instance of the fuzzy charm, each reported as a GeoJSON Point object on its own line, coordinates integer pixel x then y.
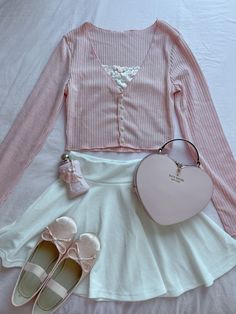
{"type": "Point", "coordinates": [70, 173]}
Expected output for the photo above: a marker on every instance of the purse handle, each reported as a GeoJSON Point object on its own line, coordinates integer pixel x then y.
{"type": "Point", "coordinates": [181, 139]}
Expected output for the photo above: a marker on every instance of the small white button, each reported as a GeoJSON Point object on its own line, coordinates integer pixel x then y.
{"type": "Point", "coordinates": [122, 118]}
{"type": "Point", "coordinates": [122, 128]}
{"type": "Point", "coordinates": [122, 107]}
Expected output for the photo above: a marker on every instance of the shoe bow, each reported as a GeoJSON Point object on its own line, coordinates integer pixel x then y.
{"type": "Point", "coordinates": [84, 251]}
{"type": "Point", "coordinates": [59, 242]}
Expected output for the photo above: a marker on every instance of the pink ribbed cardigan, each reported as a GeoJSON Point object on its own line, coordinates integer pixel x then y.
{"type": "Point", "coordinates": [100, 117]}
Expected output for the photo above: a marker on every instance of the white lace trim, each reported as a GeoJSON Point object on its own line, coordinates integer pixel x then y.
{"type": "Point", "coordinates": [122, 75]}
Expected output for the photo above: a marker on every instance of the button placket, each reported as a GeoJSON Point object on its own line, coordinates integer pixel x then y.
{"type": "Point", "coordinates": [121, 109]}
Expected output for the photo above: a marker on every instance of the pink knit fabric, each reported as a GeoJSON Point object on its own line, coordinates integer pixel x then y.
{"type": "Point", "coordinates": [169, 79]}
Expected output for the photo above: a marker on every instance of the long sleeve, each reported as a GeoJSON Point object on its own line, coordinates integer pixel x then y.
{"type": "Point", "coordinates": [199, 122]}
{"type": "Point", "coordinates": [35, 119]}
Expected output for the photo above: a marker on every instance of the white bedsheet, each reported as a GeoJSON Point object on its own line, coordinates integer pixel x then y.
{"type": "Point", "coordinates": [29, 30]}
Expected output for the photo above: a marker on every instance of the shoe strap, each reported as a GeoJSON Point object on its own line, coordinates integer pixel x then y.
{"type": "Point", "coordinates": [57, 288]}
{"type": "Point", "coordinates": [36, 270]}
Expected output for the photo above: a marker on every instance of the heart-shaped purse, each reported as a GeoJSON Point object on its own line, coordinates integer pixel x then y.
{"type": "Point", "coordinates": [170, 191]}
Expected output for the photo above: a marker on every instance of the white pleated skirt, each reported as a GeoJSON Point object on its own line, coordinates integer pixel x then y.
{"type": "Point", "coordinates": [139, 258]}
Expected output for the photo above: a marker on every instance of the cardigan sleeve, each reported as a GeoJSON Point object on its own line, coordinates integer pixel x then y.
{"type": "Point", "coordinates": [199, 122]}
{"type": "Point", "coordinates": [35, 119]}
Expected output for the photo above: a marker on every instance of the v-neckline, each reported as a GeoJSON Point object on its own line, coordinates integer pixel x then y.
{"type": "Point", "coordinates": [150, 27]}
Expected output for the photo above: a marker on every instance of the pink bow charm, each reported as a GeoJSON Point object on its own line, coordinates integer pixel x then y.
{"type": "Point", "coordinates": [71, 174]}
{"type": "Point", "coordinates": [68, 174]}
{"type": "Point", "coordinates": [59, 242]}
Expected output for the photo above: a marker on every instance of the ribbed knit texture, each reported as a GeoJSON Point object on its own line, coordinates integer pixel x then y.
{"type": "Point", "coordinates": [169, 79]}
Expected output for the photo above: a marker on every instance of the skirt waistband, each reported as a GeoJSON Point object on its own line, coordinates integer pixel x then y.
{"type": "Point", "coordinates": [106, 170]}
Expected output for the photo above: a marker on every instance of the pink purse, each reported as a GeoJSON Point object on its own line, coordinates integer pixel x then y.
{"type": "Point", "coordinates": [170, 191]}
{"type": "Point", "coordinates": [70, 173]}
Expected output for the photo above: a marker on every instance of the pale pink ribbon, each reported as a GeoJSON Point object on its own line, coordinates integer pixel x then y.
{"type": "Point", "coordinates": [59, 242]}
{"type": "Point", "coordinates": [85, 262]}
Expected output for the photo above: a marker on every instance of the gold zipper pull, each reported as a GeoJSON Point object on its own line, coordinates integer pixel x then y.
{"type": "Point", "coordinates": [65, 157]}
